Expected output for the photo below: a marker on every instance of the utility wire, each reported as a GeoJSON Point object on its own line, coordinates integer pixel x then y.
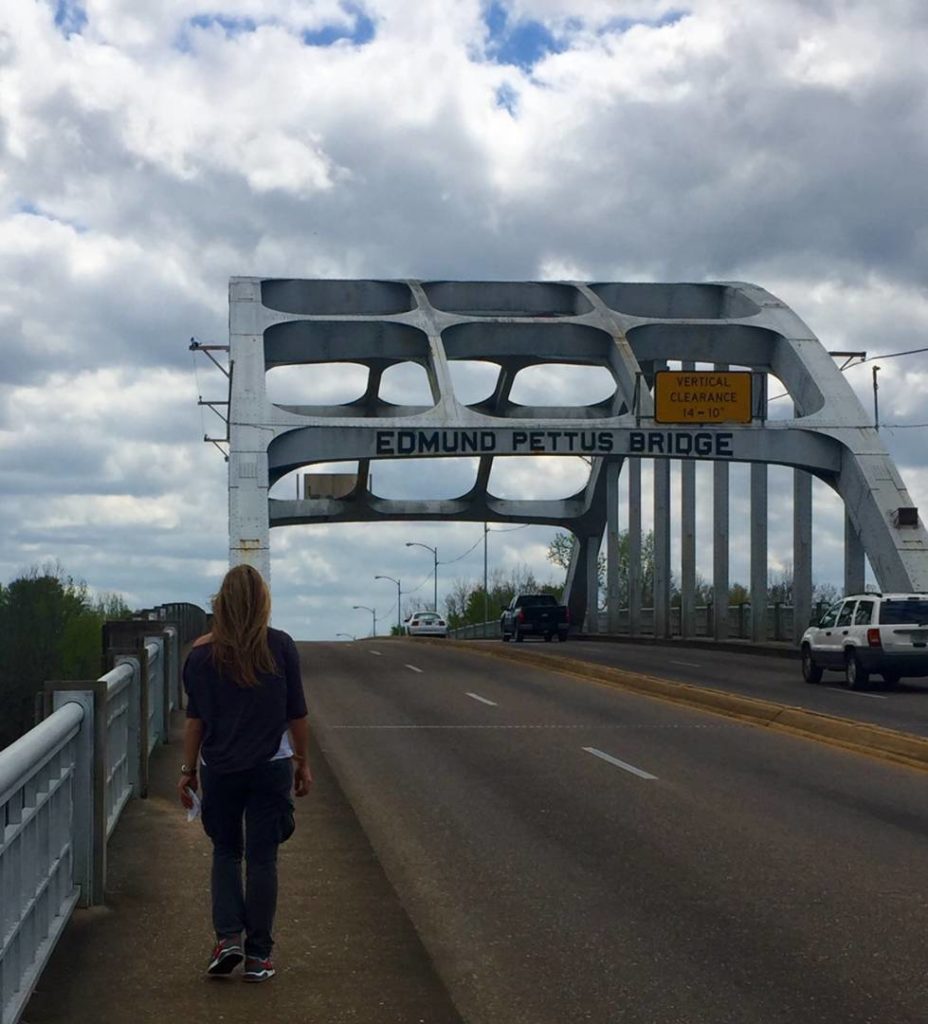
{"type": "Point", "coordinates": [421, 585]}
{"type": "Point", "coordinates": [509, 529]}
{"type": "Point", "coordinates": [870, 359]}
{"type": "Point", "coordinates": [890, 355]}
{"type": "Point", "coordinates": [451, 561]}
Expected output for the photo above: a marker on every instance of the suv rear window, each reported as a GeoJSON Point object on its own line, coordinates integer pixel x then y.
{"type": "Point", "coordinates": [535, 600]}
{"type": "Point", "coordinates": [898, 612]}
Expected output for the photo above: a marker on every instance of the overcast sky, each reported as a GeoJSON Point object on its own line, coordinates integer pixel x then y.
{"type": "Point", "coordinates": [149, 151]}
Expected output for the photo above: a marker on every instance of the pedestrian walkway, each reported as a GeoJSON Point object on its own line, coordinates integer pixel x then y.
{"type": "Point", "coordinates": [346, 951]}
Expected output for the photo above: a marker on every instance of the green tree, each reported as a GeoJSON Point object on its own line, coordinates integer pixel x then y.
{"type": "Point", "coordinates": [466, 602]}
{"type": "Point", "coordinates": [738, 594]}
{"type": "Point", "coordinates": [560, 548]}
{"type": "Point", "coordinates": [49, 629]}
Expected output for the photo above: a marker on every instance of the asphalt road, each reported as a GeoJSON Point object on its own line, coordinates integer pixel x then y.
{"type": "Point", "coordinates": [569, 852]}
{"type": "Point", "coordinates": [779, 679]}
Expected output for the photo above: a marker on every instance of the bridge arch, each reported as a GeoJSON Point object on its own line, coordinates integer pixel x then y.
{"type": "Point", "coordinates": [631, 331]}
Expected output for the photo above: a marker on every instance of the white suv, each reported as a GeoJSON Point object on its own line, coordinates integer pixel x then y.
{"type": "Point", "coordinates": [864, 633]}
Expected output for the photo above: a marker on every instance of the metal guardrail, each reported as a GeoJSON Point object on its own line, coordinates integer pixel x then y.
{"type": "Point", "coordinates": [477, 631]}
{"type": "Point", "coordinates": [779, 623]}
{"type": "Point", "coordinates": [42, 807]}
{"type": "Point", "coordinates": [63, 787]}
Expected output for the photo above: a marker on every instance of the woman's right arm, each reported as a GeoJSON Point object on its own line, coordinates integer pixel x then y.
{"type": "Point", "coordinates": [299, 740]}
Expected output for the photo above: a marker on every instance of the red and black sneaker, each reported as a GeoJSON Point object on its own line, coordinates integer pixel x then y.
{"type": "Point", "coordinates": [257, 969]}
{"type": "Point", "coordinates": [226, 957]}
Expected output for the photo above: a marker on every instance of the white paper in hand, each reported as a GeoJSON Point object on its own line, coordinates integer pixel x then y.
{"type": "Point", "coordinates": [194, 812]}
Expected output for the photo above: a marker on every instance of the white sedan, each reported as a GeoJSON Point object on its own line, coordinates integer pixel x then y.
{"type": "Point", "coordinates": [426, 624]}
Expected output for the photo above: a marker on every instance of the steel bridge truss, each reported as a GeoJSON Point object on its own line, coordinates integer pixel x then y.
{"type": "Point", "coordinates": [630, 329]}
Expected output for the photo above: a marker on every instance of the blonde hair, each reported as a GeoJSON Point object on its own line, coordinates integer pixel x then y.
{"type": "Point", "coordinates": [241, 611]}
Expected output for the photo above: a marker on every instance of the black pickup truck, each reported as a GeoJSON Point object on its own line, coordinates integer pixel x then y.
{"type": "Point", "coordinates": [534, 615]}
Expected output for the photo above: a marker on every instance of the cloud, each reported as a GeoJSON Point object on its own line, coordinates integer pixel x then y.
{"type": "Point", "coordinates": [149, 152]}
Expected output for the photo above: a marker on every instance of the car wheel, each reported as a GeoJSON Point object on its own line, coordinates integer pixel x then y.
{"type": "Point", "coordinates": [562, 638]}
{"type": "Point", "coordinates": [855, 675]}
{"type": "Point", "coordinates": [504, 637]}
{"type": "Point", "coordinates": [519, 637]}
{"type": "Point", "coordinates": [811, 672]}
{"type": "Point", "coordinates": [547, 638]}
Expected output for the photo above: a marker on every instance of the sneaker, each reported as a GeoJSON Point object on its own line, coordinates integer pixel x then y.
{"type": "Point", "coordinates": [226, 957]}
{"type": "Point", "coordinates": [257, 969]}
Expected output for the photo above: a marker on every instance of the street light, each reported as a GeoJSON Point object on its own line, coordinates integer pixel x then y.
{"type": "Point", "coordinates": [399, 598]}
{"type": "Point", "coordinates": [876, 403]}
{"type": "Point", "coordinates": [350, 636]}
{"type": "Point", "coordinates": [416, 544]}
{"type": "Point", "coordinates": [373, 612]}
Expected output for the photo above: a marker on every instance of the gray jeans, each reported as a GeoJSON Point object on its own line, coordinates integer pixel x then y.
{"type": "Point", "coordinates": [250, 813]}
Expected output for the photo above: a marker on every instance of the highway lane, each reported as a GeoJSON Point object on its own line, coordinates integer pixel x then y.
{"type": "Point", "coordinates": [752, 675]}
{"type": "Point", "coordinates": [570, 852]}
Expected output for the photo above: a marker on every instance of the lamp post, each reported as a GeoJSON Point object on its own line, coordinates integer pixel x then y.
{"type": "Point", "coordinates": [350, 636]}
{"type": "Point", "coordinates": [373, 612]}
{"type": "Point", "coordinates": [876, 402]}
{"type": "Point", "coordinates": [399, 598]}
{"type": "Point", "coordinates": [416, 544]}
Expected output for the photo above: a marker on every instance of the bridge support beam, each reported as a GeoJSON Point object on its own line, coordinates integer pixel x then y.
{"type": "Point", "coordinates": [854, 564]}
{"type": "Point", "coordinates": [634, 546]}
{"type": "Point", "coordinates": [662, 624]}
{"type": "Point", "coordinates": [612, 546]}
{"type": "Point", "coordinates": [249, 517]}
{"type": "Point", "coordinates": [720, 538]}
{"type": "Point", "coordinates": [687, 540]}
{"type": "Point", "coordinates": [592, 546]}
{"type": "Point", "coordinates": [802, 552]}
{"type": "Point", "coordinates": [758, 552]}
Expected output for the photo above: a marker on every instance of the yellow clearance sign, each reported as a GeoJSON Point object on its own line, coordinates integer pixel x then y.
{"type": "Point", "coordinates": [702, 396]}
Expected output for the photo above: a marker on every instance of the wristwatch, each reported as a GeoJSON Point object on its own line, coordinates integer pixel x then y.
{"type": "Point", "coordinates": [184, 770]}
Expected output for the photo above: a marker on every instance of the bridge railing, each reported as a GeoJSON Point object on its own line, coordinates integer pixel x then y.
{"type": "Point", "coordinates": [477, 631]}
{"type": "Point", "coordinates": [44, 823]}
{"type": "Point", "coordinates": [63, 788]}
{"type": "Point", "coordinates": [779, 623]}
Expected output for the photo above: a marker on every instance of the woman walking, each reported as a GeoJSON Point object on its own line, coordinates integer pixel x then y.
{"type": "Point", "coordinates": [246, 730]}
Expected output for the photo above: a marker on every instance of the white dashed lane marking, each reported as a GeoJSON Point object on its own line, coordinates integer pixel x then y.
{"type": "Point", "coordinates": [640, 772]}
{"type": "Point", "coordinates": [688, 664]}
{"type": "Point", "coordinates": [413, 667]}
{"type": "Point", "coordinates": [857, 693]}
{"type": "Point", "coordinates": [378, 653]}
{"type": "Point", "coordinates": [483, 700]}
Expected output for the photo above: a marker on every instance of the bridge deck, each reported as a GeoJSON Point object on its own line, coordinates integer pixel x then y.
{"type": "Point", "coordinates": [346, 950]}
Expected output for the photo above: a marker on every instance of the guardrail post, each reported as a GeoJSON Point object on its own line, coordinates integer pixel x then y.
{"type": "Point", "coordinates": [142, 654]}
{"type": "Point", "coordinates": [162, 680]}
{"type": "Point", "coordinates": [177, 700]}
{"type": "Point", "coordinates": [89, 784]}
{"type": "Point", "coordinates": [138, 725]}
{"type": "Point", "coordinates": [133, 753]}
{"type": "Point", "coordinates": [170, 672]}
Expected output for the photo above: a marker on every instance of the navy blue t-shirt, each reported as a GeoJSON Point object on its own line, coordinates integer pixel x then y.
{"type": "Point", "coordinates": [243, 725]}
